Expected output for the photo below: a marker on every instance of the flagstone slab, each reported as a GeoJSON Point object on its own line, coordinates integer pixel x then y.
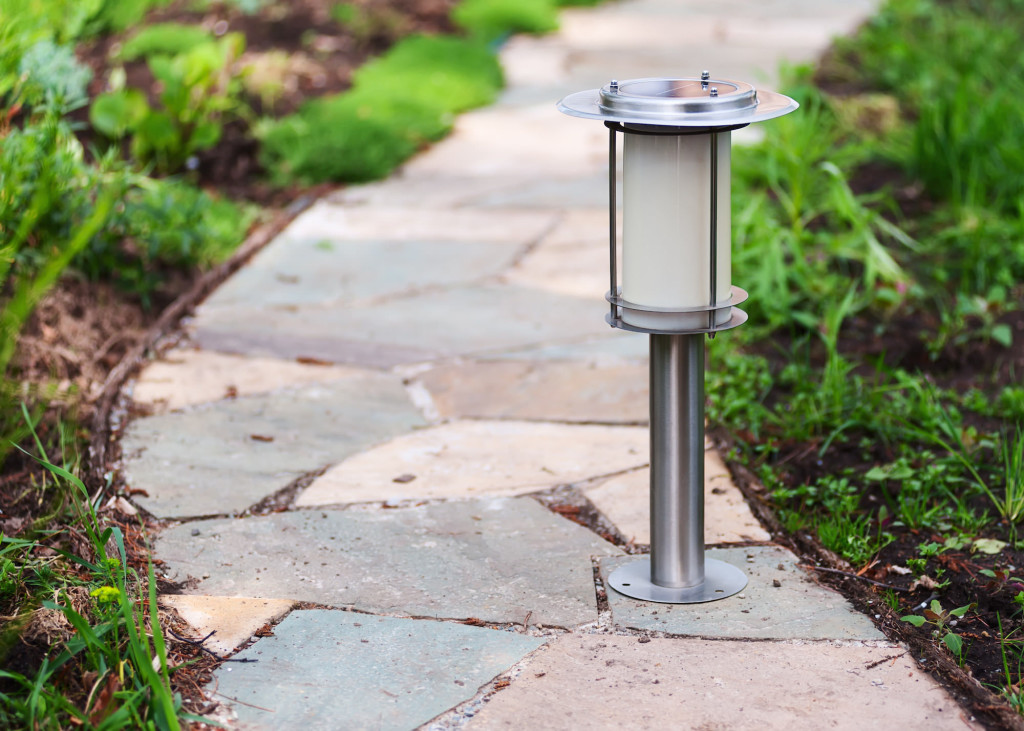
{"type": "Point", "coordinates": [327, 221]}
{"type": "Point", "coordinates": [476, 458]}
{"type": "Point", "coordinates": [231, 620]}
{"type": "Point", "coordinates": [224, 457]}
{"type": "Point", "coordinates": [608, 347]}
{"type": "Point", "coordinates": [329, 670]}
{"type": "Point", "coordinates": [520, 140]}
{"type": "Point", "coordinates": [310, 271]}
{"type": "Point", "coordinates": [187, 377]}
{"type": "Point", "coordinates": [497, 559]}
{"type": "Point", "coordinates": [237, 333]}
{"type": "Point", "coordinates": [616, 682]}
{"type": "Point", "coordinates": [565, 391]}
{"type": "Point", "coordinates": [552, 192]}
{"type": "Point", "coordinates": [457, 321]}
{"type": "Point", "coordinates": [577, 268]}
{"type": "Point", "coordinates": [625, 501]}
{"type": "Point", "coordinates": [796, 609]}
{"type": "Point", "coordinates": [452, 190]}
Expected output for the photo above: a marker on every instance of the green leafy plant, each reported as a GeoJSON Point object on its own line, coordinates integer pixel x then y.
{"type": "Point", "coordinates": [200, 92]}
{"type": "Point", "coordinates": [943, 622]}
{"type": "Point", "coordinates": [167, 39]}
{"type": "Point", "coordinates": [1001, 579]}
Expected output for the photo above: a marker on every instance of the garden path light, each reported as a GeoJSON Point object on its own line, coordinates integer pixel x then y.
{"type": "Point", "coordinates": [676, 286]}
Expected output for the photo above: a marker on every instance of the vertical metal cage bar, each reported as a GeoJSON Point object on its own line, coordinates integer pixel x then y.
{"type": "Point", "coordinates": [714, 228]}
{"type": "Point", "coordinates": [612, 222]}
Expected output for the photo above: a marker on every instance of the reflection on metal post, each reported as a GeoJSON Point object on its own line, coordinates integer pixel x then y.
{"type": "Point", "coordinates": [677, 460]}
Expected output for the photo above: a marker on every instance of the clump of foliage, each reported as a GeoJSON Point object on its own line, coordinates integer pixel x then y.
{"type": "Point", "coordinates": [166, 39]}
{"type": "Point", "coordinates": [113, 630]}
{"type": "Point", "coordinates": [398, 102]}
{"type": "Point", "coordinates": [491, 19]}
{"type": "Point", "coordinates": [58, 209]}
{"type": "Point", "coordinates": [838, 268]}
{"type": "Point", "coordinates": [199, 94]}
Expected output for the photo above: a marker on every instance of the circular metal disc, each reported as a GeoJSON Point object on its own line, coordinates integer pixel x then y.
{"type": "Point", "coordinates": [721, 580]}
{"type": "Point", "coordinates": [678, 103]}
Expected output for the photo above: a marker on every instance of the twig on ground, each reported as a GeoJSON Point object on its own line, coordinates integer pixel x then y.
{"type": "Point", "coordinates": [199, 643]}
{"type": "Point", "coordinates": [852, 576]}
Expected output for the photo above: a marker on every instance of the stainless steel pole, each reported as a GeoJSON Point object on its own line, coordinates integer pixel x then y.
{"type": "Point", "coordinates": [677, 460]}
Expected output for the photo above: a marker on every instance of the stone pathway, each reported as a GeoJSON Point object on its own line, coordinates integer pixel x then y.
{"type": "Point", "coordinates": [419, 369]}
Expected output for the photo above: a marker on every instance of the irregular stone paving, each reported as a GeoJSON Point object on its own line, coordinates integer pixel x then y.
{"type": "Point", "coordinates": [405, 366]}
{"type": "Point", "coordinates": [497, 560]}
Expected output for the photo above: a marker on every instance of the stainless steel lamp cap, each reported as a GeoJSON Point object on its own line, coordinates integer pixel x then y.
{"type": "Point", "coordinates": [697, 102]}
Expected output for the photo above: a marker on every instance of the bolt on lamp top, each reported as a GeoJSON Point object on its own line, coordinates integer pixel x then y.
{"type": "Point", "coordinates": [678, 102]}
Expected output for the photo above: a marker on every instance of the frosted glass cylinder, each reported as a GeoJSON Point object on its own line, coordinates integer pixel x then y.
{"type": "Point", "coordinates": [666, 229]}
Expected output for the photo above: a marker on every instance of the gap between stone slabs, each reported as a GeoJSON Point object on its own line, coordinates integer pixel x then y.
{"type": "Point", "coordinates": [625, 500]}
{"type": "Point", "coordinates": [497, 559]}
{"type": "Point", "coordinates": [226, 456]}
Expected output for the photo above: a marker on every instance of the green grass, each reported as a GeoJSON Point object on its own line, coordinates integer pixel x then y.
{"type": "Point", "coordinates": [818, 255]}
{"type": "Point", "coordinates": [399, 102]}
{"type": "Point", "coordinates": [117, 640]}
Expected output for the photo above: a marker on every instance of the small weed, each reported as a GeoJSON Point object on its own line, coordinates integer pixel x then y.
{"type": "Point", "coordinates": [943, 622]}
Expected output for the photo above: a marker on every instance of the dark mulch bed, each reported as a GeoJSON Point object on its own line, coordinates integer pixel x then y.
{"type": "Point", "coordinates": [324, 54]}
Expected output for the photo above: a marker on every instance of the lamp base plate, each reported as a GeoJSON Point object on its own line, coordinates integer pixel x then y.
{"type": "Point", "coordinates": [721, 580]}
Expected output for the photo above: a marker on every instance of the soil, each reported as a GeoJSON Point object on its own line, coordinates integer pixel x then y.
{"type": "Point", "coordinates": [322, 55]}
{"type": "Point", "coordinates": [902, 342]}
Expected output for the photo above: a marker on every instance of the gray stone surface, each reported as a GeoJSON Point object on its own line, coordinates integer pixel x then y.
{"type": "Point", "coordinates": [308, 271]}
{"type": "Point", "coordinates": [796, 609]}
{"type": "Point", "coordinates": [338, 670]}
{"type": "Point", "coordinates": [457, 321]}
{"type": "Point", "coordinates": [419, 222]}
{"type": "Point", "coordinates": [224, 457]}
{"type": "Point", "coordinates": [610, 346]}
{"type": "Point", "coordinates": [602, 682]}
{"type": "Point", "coordinates": [496, 559]}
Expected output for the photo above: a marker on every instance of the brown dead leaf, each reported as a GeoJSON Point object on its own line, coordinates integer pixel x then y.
{"type": "Point", "coordinates": [926, 582]}
{"type": "Point", "coordinates": [474, 621]}
{"type": "Point", "coordinates": [261, 438]}
{"type": "Point", "coordinates": [105, 703]}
